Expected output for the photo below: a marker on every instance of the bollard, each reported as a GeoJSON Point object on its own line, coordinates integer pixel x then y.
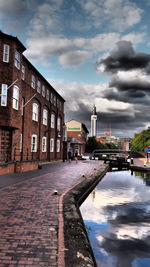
{"type": "Point", "coordinates": [132, 161]}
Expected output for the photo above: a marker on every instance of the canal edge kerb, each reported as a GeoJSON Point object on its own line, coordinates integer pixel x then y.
{"type": "Point", "coordinates": [74, 248]}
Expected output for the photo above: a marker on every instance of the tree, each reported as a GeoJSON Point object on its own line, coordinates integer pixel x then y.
{"type": "Point", "coordinates": [93, 144]}
{"type": "Point", "coordinates": [141, 140]}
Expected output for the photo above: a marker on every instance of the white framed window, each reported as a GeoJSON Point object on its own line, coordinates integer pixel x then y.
{"type": "Point", "coordinates": [43, 90]}
{"type": "Point", "coordinates": [23, 72]}
{"type": "Point", "coordinates": [39, 87]}
{"type": "Point", "coordinates": [44, 143]}
{"type": "Point", "coordinates": [34, 143]}
{"type": "Point", "coordinates": [33, 81]}
{"type": "Point", "coordinates": [4, 95]}
{"type": "Point", "coordinates": [6, 49]}
{"type": "Point", "coordinates": [52, 145]}
{"type": "Point", "coordinates": [22, 106]}
{"type": "Point", "coordinates": [21, 142]}
{"type": "Point", "coordinates": [17, 59]}
{"type": "Point", "coordinates": [35, 111]}
{"type": "Point", "coordinates": [47, 94]}
{"type": "Point", "coordinates": [15, 103]}
{"type": "Point", "coordinates": [45, 116]}
{"type": "Point", "coordinates": [58, 145]}
{"type": "Point", "coordinates": [52, 120]}
{"type": "Point", "coordinates": [58, 123]}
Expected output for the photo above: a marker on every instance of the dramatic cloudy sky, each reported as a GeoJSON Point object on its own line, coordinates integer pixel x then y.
{"type": "Point", "coordinates": [92, 52]}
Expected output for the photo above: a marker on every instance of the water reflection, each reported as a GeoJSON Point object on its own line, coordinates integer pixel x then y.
{"type": "Point", "coordinates": [118, 221]}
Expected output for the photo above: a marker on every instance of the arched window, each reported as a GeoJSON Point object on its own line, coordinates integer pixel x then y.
{"type": "Point", "coordinates": [15, 103]}
{"type": "Point", "coordinates": [45, 116]}
{"type": "Point", "coordinates": [52, 120]}
{"type": "Point", "coordinates": [35, 110]}
{"type": "Point", "coordinates": [34, 143]}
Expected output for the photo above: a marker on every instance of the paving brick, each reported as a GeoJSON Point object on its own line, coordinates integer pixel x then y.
{"type": "Point", "coordinates": [30, 213]}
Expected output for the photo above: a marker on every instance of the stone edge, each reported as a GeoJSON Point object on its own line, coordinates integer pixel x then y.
{"type": "Point", "coordinates": [74, 248]}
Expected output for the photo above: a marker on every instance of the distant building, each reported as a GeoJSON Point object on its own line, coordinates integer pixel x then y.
{"type": "Point", "coordinates": [31, 110]}
{"type": "Point", "coordinates": [124, 143]}
{"type": "Point", "coordinates": [94, 122]}
{"type": "Point", "coordinates": [108, 139]}
{"type": "Point", "coordinates": [76, 136]}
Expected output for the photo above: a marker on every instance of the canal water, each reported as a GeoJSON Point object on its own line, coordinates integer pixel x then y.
{"type": "Point", "coordinates": [117, 219]}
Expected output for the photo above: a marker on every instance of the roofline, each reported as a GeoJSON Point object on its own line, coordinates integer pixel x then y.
{"type": "Point", "coordinates": [2, 34]}
{"type": "Point", "coordinates": [44, 78]}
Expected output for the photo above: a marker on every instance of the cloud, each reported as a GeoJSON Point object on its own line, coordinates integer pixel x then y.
{"type": "Point", "coordinates": [125, 118]}
{"type": "Point", "coordinates": [46, 19]}
{"type": "Point", "coordinates": [129, 74]}
{"type": "Point", "coordinates": [12, 8]}
{"type": "Point", "coordinates": [125, 58]}
{"type": "Point", "coordinates": [120, 14]}
{"type": "Point", "coordinates": [74, 58]}
{"type": "Point", "coordinates": [68, 48]}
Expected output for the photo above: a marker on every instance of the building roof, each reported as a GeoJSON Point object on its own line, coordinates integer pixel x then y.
{"type": "Point", "coordinates": [13, 38]}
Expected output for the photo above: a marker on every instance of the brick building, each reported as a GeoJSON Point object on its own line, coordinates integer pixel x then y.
{"type": "Point", "coordinates": [76, 136]}
{"type": "Point", "coordinates": [31, 110]}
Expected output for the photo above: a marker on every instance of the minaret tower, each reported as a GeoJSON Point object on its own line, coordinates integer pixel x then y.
{"type": "Point", "coordinates": [94, 122]}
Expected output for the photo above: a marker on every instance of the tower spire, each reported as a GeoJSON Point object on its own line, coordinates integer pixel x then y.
{"type": "Point", "coordinates": [94, 121]}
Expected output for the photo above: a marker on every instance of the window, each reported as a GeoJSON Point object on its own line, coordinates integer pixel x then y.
{"type": "Point", "coordinates": [39, 87]}
{"type": "Point", "coordinates": [58, 145]}
{"type": "Point", "coordinates": [35, 112]}
{"type": "Point", "coordinates": [47, 94]}
{"type": "Point", "coordinates": [4, 95]}
{"type": "Point", "coordinates": [51, 145]}
{"type": "Point", "coordinates": [58, 123]}
{"type": "Point", "coordinates": [52, 120]}
{"type": "Point", "coordinates": [43, 90]}
{"type": "Point", "coordinates": [6, 53]}
{"type": "Point", "coordinates": [23, 72]}
{"type": "Point", "coordinates": [33, 81]}
{"type": "Point", "coordinates": [20, 142]}
{"type": "Point", "coordinates": [44, 144]}
{"type": "Point", "coordinates": [22, 106]}
{"type": "Point", "coordinates": [15, 103]}
{"type": "Point", "coordinates": [34, 143]}
{"type": "Point", "coordinates": [45, 115]}
{"type": "Point", "coordinates": [17, 59]}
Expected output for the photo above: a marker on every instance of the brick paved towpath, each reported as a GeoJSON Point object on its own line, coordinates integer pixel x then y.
{"type": "Point", "coordinates": [29, 212]}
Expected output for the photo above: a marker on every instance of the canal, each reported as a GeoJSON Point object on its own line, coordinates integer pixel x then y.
{"type": "Point", "coordinates": [117, 219]}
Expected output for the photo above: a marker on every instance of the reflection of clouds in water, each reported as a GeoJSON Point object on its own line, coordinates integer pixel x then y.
{"type": "Point", "coordinates": [109, 193]}
{"type": "Point", "coordinates": [121, 203]}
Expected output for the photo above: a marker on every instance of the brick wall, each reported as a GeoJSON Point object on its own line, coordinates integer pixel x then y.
{"type": "Point", "coordinates": [24, 125]}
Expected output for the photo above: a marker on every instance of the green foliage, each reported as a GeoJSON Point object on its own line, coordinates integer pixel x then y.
{"type": "Point", "coordinates": [111, 146]}
{"type": "Point", "coordinates": [93, 144]}
{"type": "Point", "coordinates": [141, 140]}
